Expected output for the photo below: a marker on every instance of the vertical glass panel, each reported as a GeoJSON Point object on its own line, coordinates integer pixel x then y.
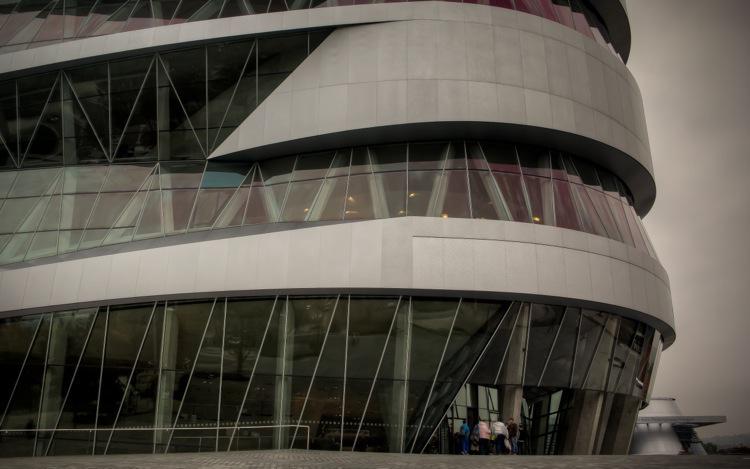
{"type": "Point", "coordinates": [14, 211]}
{"type": "Point", "coordinates": [226, 64]}
{"type": "Point", "coordinates": [177, 135]}
{"type": "Point", "coordinates": [139, 398]}
{"type": "Point", "coordinates": [82, 144]}
{"type": "Point", "coordinates": [208, 207]}
{"type": "Point", "coordinates": [277, 58]}
{"type": "Point", "coordinates": [15, 249]}
{"type": "Point", "coordinates": [91, 87]}
{"type": "Point", "coordinates": [307, 324]}
{"type": "Point", "coordinates": [8, 118]}
{"type": "Point", "coordinates": [108, 208]}
{"type": "Point", "coordinates": [45, 147]}
{"type": "Point", "coordinates": [501, 157]}
{"type": "Point", "coordinates": [590, 221]}
{"type": "Point", "coordinates": [260, 406]}
{"type": "Point", "coordinates": [75, 210]}
{"type": "Point", "coordinates": [636, 233]}
{"type": "Point", "coordinates": [621, 356]}
{"type": "Point", "coordinates": [84, 178]}
{"type": "Point", "coordinates": [234, 210]}
{"type": "Point", "coordinates": [150, 223]}
{"type": "Point", "coordinates": [423, 189]}
{"type": "Point", "coordinates": [33, 94]}
{"type": "Point", "coordinates": [262, 207]}
{"type": "Point", "coordinates": [514, 358]}
{"type": "Point", "coordinates": [454, 194]}
{"type": "Point", "coordinates": [591, 328]}
{"type": "Point", "coordinates": [486, 201]}
{"type": "Point", "coordinates": [473, 327]}
{"type": "Point", "coordinates": [44, 244]}
{"type": "Point", "coordinates": [360, 160]}
{"type": "Point", "coordinates": [559, 367]}
{"type": "Point", "coordinates": [299, 200]}
{"type": "Point", "coordinates": [427, 156]}
{"type": "Point", "coordinates": [599, 201]}
{"type": "Point", "coordinates": [359, 199]}
{"type": "Point", "coordinates": [329, 205]}
{"type": "Point", "coordinates": [619, 216]}
{"type": "Point", "coordinates": [200, 405]}
{"type": "Point", "coordinates": [390, 198]}
{"type": "Point", "coordinates": [245, 93]}
{"type": "Point", "coordinates": [369, 322]}
{"type": "Point", "coordinates": [186, 72]}
{"type": "Point", "coordinates": [456, 156]}
{"type": "Point", "coordinates": [545, 321]}
{"type": "Point", "coordinates": [312, 166]}
{"type": "Point", "coordinates": [23, 408]}
{"type": "Point", "coordinates": [388, 157]}
{"type": "Point", "coordinates": [475, 156]}
{"type": "Point", "coordinates": [565, 211]}
{"type": "Point", "coordinates": [324, 403]}
{"type": "Point", "coordinates": [383, 425]}
{"type": "Point", "coordinates": [99, 14]}
{"type": "Point", "coordinates": [34, 182]}
{"type": "Point", "coordinates": [512, 189]}
{"type": "Point", "coordinates": [535, 161]}
{"type": "Point", "coordinates": [133, 109]}
{"type": "Point", "coordinates": [488, 369]}
{"type": "Point", "coordinates": [80, 407]}
{"type": "Point", "coordinates": [184, 324]}
{"type": "Point", "coordinates": [15, 339]}
{"type": "Point", "coordinates": [276, 170]}
{"type": "Point", "coordinates": [177, 205]}
{"type": "Point", "coordinates": [540, 199]}
{"type": "Point", "coordinates": [127, 325]}
{"type": "Point", "coordinates": [600, 365]}
{"type": "Point", "coordinates": [245, 328]}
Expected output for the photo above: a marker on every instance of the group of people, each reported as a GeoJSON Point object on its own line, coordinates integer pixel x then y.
{"type": "Point", "coordinates": [501, 437]}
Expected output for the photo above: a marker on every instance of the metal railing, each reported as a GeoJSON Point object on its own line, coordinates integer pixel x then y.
{"type": "Point", "coordinates": [234, 438]}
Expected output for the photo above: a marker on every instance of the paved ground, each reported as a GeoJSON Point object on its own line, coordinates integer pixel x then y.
{"type": "Point", "coordinates": [328, 459]}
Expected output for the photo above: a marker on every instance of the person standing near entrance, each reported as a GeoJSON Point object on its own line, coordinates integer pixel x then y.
{"type": "Point", "coordinates": [484, 438]}
{"type": "Point", "coordinates": [501, 433]}
{"type": "Point", "coordinates": [513, 435]}
{"type": "Point", "coordinates": [465, 436]}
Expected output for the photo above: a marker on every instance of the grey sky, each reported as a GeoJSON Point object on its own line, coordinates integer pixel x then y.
{"type": "Point", "coordinates": [691, 59]}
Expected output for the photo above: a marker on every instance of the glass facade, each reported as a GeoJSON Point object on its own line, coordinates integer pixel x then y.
{"type": "Point", "coordinates": [34, 23]}
{"type": "Point", "coordinates": [172, 105]}
{"type": "Point", "coordinates": [56, 210]}
{"type": "Point", "coordinates": [336, 372]}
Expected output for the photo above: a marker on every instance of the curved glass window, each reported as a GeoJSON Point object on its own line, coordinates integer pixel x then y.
{"type": "Point", "coordinates": [50, 211]}
{"type": "Point", "coordinates": [33, 23]}
{"type": "Point", "coordinates": [334, 372]}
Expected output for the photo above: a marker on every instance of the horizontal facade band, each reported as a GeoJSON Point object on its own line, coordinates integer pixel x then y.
{"type": "Point", "coordinates": [480, 258]}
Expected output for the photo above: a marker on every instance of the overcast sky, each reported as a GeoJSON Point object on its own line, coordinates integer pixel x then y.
{"type": "Point", "coordinates": [691, 59]}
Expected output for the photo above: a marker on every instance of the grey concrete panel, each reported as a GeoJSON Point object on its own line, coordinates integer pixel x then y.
{"type": "Point", "coordinates": [421, 255]}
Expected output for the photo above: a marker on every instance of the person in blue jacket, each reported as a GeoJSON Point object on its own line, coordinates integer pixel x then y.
{"type": "Point", "coordinates": [465, 435]}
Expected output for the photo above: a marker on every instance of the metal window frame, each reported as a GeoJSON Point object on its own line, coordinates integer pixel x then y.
{"type": "Point", "coordinates": [21, 370]}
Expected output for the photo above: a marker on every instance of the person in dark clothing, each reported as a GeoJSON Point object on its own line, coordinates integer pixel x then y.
{"type": "Point", "coordinates": [513, 435]}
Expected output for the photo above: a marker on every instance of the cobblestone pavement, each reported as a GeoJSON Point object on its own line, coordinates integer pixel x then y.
{"type": "Point", "coordinates": [328, 459]}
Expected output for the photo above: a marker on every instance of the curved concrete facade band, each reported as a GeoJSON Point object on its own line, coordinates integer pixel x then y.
{"type": "Point", "coordinates": [412, 255]}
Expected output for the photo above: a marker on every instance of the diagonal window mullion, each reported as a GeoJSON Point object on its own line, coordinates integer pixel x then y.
{"type": "Point", "coordinates": [249, 176]}
{"type": "Point", "coordinates": [7, 149]}
{"type": "Point", "coordinates": [315, 372]}
{"type": "Point", "coordinates": [127, 205]}
{"type": "Point", "coordinates": [377, 372]}
{"type": "Point", "coordinates": [552, 347]}
{"type": "Point", "coordinates": [435, 377]}
{"type": "Point", "coordinates": [234, 91]}
{"type": "Point", "coordinates": [179, 100]}
{"type": "Point", "coordinates": [132, 110]}
{"type": "Point", "coordinates": [72, 380]}
{"type": "Point", "coordinates": [473, 368]}
{"type": "Point", "coordinates": [38, 121]}
{"type": "Point", "coordinates": [21, 370]}
{"type": "Point", "coordinates": [130, 376]}
{"type": "Point", "coordinates": [495, 184]}
{"type": "Point", "coordinates": [85, 114]}
{"type": "Point", "coordinates": [252, 372]}
{"type": "Point", "coordinates": [507, 346]}
{"type": "Point", "coordinates": [190, 376]}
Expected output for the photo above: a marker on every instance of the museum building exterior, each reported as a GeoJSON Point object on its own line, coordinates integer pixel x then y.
{"type": "Point", "coordinates": [343, 225]}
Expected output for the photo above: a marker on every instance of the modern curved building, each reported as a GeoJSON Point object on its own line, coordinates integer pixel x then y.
{"type": "Point", "coordinates": [344, 225]}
